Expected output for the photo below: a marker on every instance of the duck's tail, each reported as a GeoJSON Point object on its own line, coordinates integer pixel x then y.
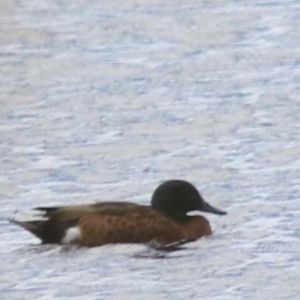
{"type": "Point", "coordinates": [48, 231]}
{"type": "Point", "coordinates": [37, 228]}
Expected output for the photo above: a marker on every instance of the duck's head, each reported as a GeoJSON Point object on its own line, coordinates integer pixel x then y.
{"type": "Point", "coordinates": [177, 198]}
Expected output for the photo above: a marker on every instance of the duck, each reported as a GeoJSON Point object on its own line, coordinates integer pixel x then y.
{"type": "Point", "coordinates": [171, 218]}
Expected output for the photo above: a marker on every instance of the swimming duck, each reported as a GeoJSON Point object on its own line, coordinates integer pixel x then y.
{"type": "Point", "coordinates": [170, 219]}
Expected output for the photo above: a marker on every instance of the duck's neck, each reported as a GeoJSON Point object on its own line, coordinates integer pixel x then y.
{"type": "Point", "coordinates": [197, 227]}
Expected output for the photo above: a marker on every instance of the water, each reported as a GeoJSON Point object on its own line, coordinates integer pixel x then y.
{"type": "Point", "coordinates": [103, 101]}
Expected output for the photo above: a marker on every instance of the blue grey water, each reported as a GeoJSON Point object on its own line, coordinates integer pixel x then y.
{"type": "Point", "coordinates": [103, 100]}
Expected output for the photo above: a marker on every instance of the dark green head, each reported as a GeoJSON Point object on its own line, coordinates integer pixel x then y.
{"type": "Point", "coordinates": [176, 198]}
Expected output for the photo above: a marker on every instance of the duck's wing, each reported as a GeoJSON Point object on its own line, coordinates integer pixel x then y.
{"type": "Point", "coordinates": [76, 212]}
{"type": "Point", "coordinates": [53, 222]}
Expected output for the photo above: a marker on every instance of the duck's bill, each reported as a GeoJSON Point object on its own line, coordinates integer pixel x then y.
{"type": "Point", "coordinates": [207, 208]}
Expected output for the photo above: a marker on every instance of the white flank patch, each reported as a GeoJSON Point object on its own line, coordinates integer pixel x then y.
{"type": "Point", "coordinates": [72, 235]}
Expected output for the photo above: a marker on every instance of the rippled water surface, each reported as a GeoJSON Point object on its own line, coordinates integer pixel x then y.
{"type": "Point", "coordinates": [102, 100]}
